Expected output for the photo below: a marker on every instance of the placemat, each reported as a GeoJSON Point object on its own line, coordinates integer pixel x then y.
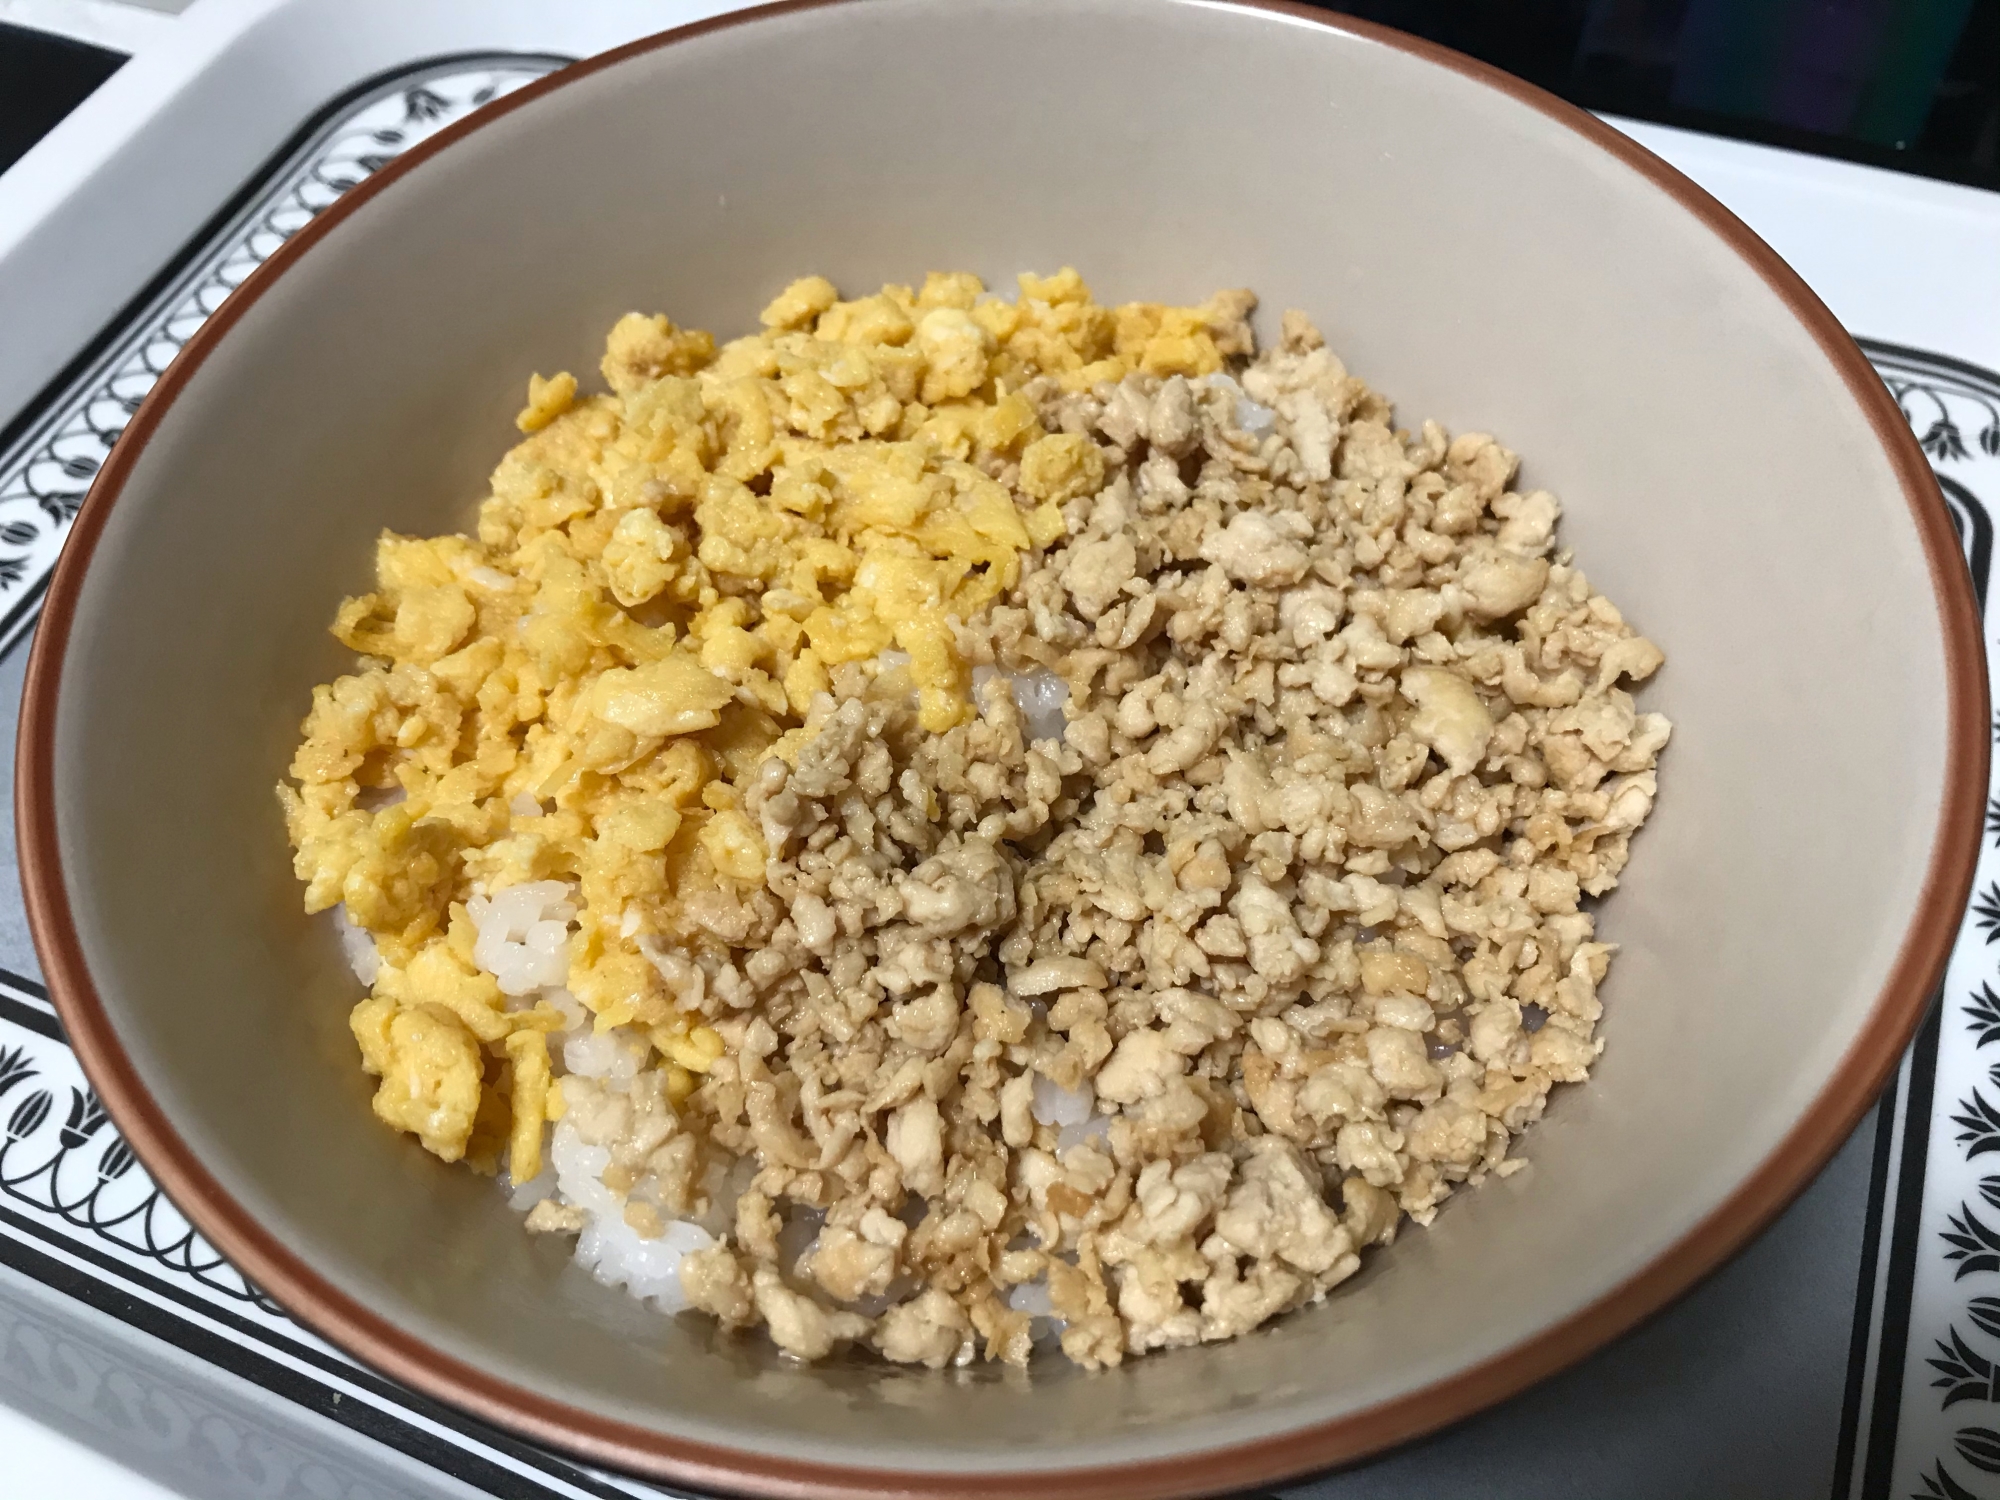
{"type": "Point", "coordinates": [1853, 1351]}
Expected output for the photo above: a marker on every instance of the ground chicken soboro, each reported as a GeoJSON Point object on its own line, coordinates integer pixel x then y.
{"type": "Point", "coordinates": [975, 819]}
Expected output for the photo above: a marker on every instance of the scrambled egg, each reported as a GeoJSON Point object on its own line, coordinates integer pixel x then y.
{"type": "Point", "coordinates": [661, 580]}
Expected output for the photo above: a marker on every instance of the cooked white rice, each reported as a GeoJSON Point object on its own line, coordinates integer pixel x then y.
{"type": "Point", "coordinates": [1038, 694]}
{"type": "Point", "coordinates": [611, 1249]}
{"type": "Point", "coordinates": [523, 937]}
{"type": "Point", "coordinates": [1055, 1105]}
{"type": "Point", "coordinates": [358, 947]}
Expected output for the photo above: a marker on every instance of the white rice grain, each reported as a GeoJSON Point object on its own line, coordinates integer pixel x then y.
{"type": "Point", "coordinates": [1032, 1298]}
{"type": "Point", "coordinates": [1055, 1105]}
{"type": "Point", "coordinates": [358, 946]}
{"type": "Point", "coordinates": [524, 935]}
{"type": "Point", "coordinates": [613, 1251]}
{"type": "Point", "coordinates": [523, 1196]}
{"type": "Point", "coordinates": [1039, 696]}
{"type": "Point", "coordinates": [1097, 1127]}
{"type": "Point", "coordinates": [575, 1017]}
{"type": "Point", "coordinates": [1252, 416]}
{"type": "Point", "coordinates": [615, 1055]}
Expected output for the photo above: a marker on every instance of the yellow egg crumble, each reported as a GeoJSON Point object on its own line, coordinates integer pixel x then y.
{"type": "Point", "coordinates": [659, 584]}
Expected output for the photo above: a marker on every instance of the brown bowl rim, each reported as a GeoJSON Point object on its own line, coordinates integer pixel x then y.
{"type": "Point", "coordinates": [1827, 1121]}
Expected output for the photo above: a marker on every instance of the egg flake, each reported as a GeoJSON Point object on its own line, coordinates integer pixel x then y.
{"type": "Point", "coordinates": [662, 580]}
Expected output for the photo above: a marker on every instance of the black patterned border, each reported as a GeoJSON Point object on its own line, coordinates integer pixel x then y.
{"type": "Point", "coordinates": [52, 450]}
{"type": "Point", "coordinates": [57, 1157]}
{"type": "Point", "coordinates": [1953, 407]}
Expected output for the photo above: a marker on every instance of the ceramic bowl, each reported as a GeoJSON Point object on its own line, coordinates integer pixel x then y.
{"type": "Point", "coordinates": [1734, 476]}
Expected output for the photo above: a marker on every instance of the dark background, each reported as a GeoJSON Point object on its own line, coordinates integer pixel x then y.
{"type": "Point", "coordinates": [1911, 84]}
{"type": "Point", "coordinates": [42, 78]}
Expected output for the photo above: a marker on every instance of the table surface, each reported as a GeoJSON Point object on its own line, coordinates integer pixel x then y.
{"type": "Point", "coordinates": [1772, 1362]}
{"type": "Point", "coordinates": [42, 1461]}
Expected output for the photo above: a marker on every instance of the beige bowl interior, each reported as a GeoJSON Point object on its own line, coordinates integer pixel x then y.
{"type": "Point", "coordinates": [1476, 259]}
